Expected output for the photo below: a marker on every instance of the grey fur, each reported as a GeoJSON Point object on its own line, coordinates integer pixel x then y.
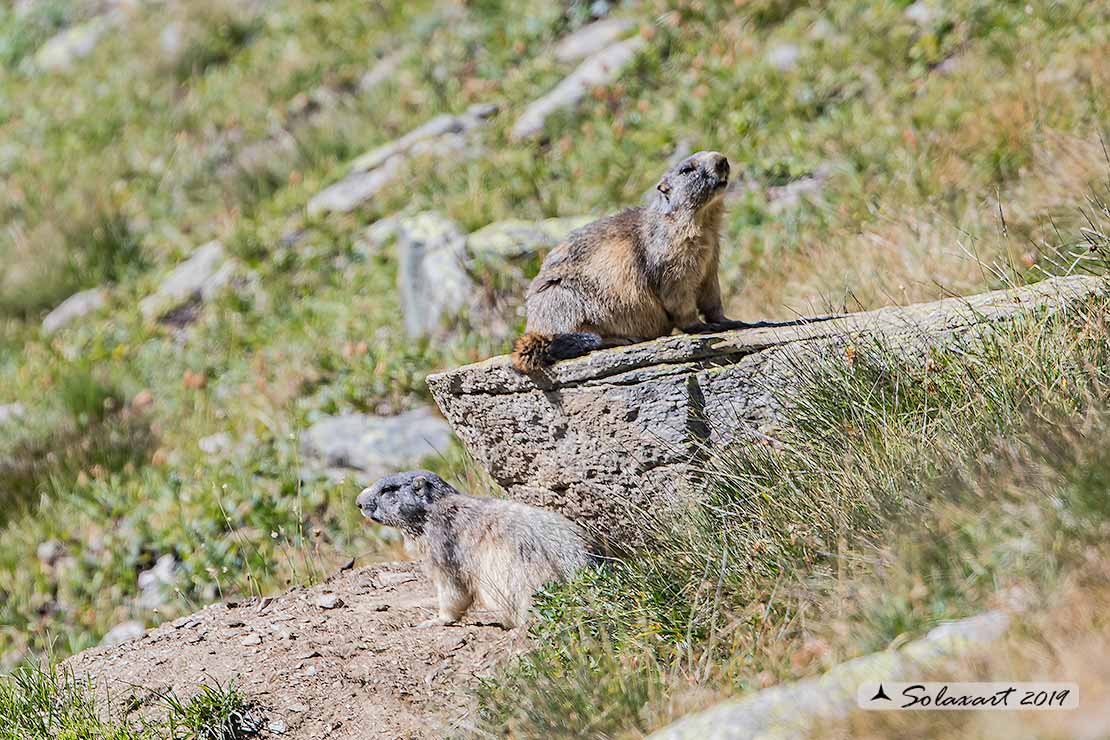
{"type": "Point", "coordinates": [477, 549]}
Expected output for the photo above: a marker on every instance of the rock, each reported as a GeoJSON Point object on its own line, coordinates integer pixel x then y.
{"type": "Point", "coordinates": [11, 411]}
{"type": "Point", "coordinates": [591, 39]}
{"type": "Point", "coordinates": [517, 238]}
{"type": "Point", "coordinates": [920, 13]}
{"type": "Point", "coordinates": [382, 70]}
{"type": "Point", "coordinates": [376, 444]}
{"type": "Point", "coordinates": [199, 278]}
{"type": "Point", "coordinates": [251, 640]}
{"type": "Point", "coordinates": [440, 137]}
{"type": "Point", "coordinates": [437, 127]}
{"type": "Point", "coordinates": [784, 57]}
{"type": "Point", "coordinates": [152, 582]}
{"type": "Point", "coordinates": [277, 726]}
{"type": "Point", "coordinates": [799, 709]}
{"type": "Point", "coordinates": [598, 69]}
{"type": "Point", "coordinates": [73, 308]}
{"type": "Point", "coordinates": [122, 633]}
{"type": "Point", "coordinates": [620, 431]}
{"type": "Point", "coordinates": [432, 281]}
{"type": "Point", "coordinates": [60, 52]}
{"type": "Point", "coordinates": [329, 601]}
{"type": "Point", "coordinates": [353, 190]}
{"type": "Point", "coordinates": [49, 552]}
{"type": "Point", "coordinates": [214, 444]}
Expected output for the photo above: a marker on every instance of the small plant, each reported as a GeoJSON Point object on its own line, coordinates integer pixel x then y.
{"type": "Point", "coordinates": [213, 713]}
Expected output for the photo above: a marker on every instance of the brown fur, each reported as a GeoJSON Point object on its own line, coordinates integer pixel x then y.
{"type": "Point", "coordinates": [633, 276]}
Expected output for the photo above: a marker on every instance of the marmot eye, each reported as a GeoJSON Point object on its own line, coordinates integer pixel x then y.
{"type": "Point", "coordinates": [686, 170]}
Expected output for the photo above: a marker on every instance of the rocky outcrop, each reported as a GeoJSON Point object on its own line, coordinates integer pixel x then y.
{"type": "Point", "coordinates": [618, 432]}
{"type": "Point", "coordinates": [600, 68]}
{"type": "Point", "coordinates": [799, 709]}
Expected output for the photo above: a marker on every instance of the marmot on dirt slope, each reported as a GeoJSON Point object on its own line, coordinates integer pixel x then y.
{"type": "Point", "coordinates": [488, 550]}
{"type": "Point", "coordinates": [635, 275]}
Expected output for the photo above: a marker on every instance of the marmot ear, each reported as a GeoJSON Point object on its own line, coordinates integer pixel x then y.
{"type": "Point", "coordinates": [419, 483]}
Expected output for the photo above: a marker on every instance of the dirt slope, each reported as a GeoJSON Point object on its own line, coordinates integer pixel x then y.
{"type": "Point", "coordinates": [355, 670]}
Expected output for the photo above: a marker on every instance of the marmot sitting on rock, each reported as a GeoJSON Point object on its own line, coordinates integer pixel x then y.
{"type": "Point", "coordinates": [633, 276]}
{"type": "Point", "coordinates": [488, 550]}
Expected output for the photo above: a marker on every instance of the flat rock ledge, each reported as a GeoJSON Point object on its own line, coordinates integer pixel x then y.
{"type": "Point", "coordinates": [605, 437]}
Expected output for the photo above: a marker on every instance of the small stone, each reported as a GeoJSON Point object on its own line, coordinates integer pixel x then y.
{"type": "Point", "coordinates": [11, 412]}
{"type": "Point", "coordinates": [250, 640]}
{"type": "Point", "coordinates": [122, 633]}
{"type": "Point", "coordinates": [199, 277]}
{"type": "Point", "coordinates": [298, 708]}
{"type": "Point", "coordinates": [73, 308]}
{"type": "Point", "coordinates": [598, 69]}
{"type": "Point", "coordinates": [329, 601]}
{"type": "Point", "coordinates": [784, 57]}
{"type": "Point", "coordinates": [214, 444]}
{"type": "Point", "coordinates": [591, 39]}
{"type": "Point", "coordinates": [277, 726]}
{"type": "Point", "coordinates": [920, 13]}
{"type": "Point", "coordinates": [49, 552]}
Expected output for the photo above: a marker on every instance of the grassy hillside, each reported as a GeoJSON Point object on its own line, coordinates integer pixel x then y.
{"type": "Point", "coordinates": [944, 148]}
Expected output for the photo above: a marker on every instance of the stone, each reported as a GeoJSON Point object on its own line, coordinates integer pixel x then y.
{"type": "Point", "coordinates": [591, 38]}
{"type": "Point", "coordinates": [784, 57]}
{"type": "Point", "coordinates": [49, 552]}
{"type": "Point", "coordinates": [625, 430]}
{"type": "Point", "coordinates": [376, 444]}
{"type": "Point", "coordinates": [329, 601]}
{"type": "Point", "coordinates": [199, 278]}
{"type": "Point", "coordinates": [353, 190]}
{"type": "Point", "coordinates": [10, 412]}
{"type": "Point", "coordinates": [251, 640]}
{"type": "Point", "coordinates": [598, 69]}
{"type": "Point", "coordinates": [73, 308]}
{"type": "Point", "coordinates": [437, 127]}
{"type": "Point", "coordinates": [514, 238]}
{"type": "Point", "coordinates": [214, 444]}
{"type": "Point", "coordinates": [442, 136]}
{"type": "Point", "coordinates": [122, 633]}
{"type": "Point", "coordinates": [432, 281]}
{"type": "Point", "coordinates": [153, 582]}
{"type": "Point", "coordinates": [59, 53]}
{"type": "Point", "coordinates": [920, 13]}
{"type": "Point", "coordinates": [801, 708]}
{"type": "Point", "coordinates": [381, 72]}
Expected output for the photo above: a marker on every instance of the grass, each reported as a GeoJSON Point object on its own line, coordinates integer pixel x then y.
{"type": "Point", "coordinates": [958, 153]}
{"type": "Point", "coordinates": [906, 495]}
{"type": "Point", "coordinates": [39, 703]}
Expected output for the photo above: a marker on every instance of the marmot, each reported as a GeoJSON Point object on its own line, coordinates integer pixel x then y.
{"type": "Point", "coordinates": [488, 550]}
{"type": "Point", "coordinates": [635, 275]}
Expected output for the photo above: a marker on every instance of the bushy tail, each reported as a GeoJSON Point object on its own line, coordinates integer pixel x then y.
{"type": "Point", "coordinates": [535, 351]}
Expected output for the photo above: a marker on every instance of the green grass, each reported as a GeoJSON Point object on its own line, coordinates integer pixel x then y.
{"type": "Point", "coordinates": [50, 704]}
{"type": "Point", "coordinates": [906, 495]}
{"type": "Point", "coordinates": [962, 154]}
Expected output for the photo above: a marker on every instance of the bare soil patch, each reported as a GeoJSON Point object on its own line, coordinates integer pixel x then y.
{"type": "Point", "coordinates": [338, 660]}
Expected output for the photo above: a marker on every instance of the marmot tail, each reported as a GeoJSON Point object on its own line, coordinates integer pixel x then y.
{"type": "Point", "coordinates": [535, 351]}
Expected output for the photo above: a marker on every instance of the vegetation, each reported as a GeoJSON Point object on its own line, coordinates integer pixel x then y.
{"type": "Point", "coordinates": [949, 149]}
{"type": "Point", "coordinates": [39, 703]}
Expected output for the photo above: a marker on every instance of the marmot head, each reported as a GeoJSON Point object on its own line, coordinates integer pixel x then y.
{"type": "Point", "coordinates": [402, 500]}
{"type": "Point", "coordinates": [692, 184]}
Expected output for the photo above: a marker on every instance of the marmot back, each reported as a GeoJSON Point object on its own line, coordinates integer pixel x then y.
{"type": "Point", "coordinates": [485, 550]}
